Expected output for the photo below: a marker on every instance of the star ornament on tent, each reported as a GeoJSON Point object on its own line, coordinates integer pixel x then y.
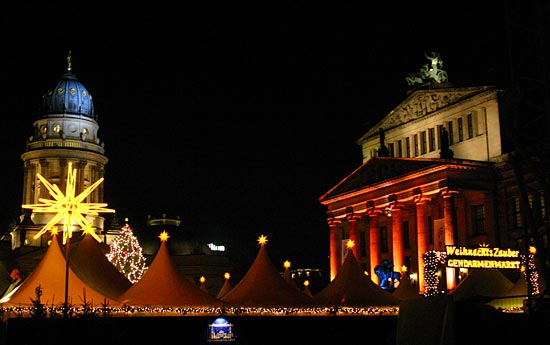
{"type": "Point", "coordinates": [262, 240]}
{"type": "Point", "coordinates": [163, 236]}
{"type": "Point", "coordinates": [68, 206]}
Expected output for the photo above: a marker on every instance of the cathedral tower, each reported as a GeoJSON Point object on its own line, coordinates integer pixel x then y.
{"type": "Point", "coordinates": [66, 130]}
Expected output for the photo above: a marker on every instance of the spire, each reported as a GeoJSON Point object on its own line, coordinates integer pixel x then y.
{"type": "Point", "coordinates": [69, 62]}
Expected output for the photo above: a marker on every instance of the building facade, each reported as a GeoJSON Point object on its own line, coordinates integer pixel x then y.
{"type": "Point", "coordinates": [436, 171]}
{"type": "Point", "coordinates": [65, 131]}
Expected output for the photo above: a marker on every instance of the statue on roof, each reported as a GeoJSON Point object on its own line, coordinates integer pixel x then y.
{"type": "Point", "coordinates": [429, 72]}
{"type": "Point", "coordinates": [383, 151]}
{"type": "Point", "coordinates": [446, 152]}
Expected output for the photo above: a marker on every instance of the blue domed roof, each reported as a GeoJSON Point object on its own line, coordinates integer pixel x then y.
{"type": "Point", "coordinates": [69, 96]}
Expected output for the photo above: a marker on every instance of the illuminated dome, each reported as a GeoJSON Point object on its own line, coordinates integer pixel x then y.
{"type": "Point", "coordinates": [68, 97]}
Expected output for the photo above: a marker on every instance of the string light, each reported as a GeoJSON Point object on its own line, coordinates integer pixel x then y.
{"type": "Point", "coordinates": [126, 255]}
{"type": "Point", "coordinates": [432, 260]}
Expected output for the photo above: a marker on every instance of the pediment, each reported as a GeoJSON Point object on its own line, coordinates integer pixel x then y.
{"type": "Point", "coordinates": [376, 170]}
{"type": "Point", "coordinates": [423, 102]}
{"type": "Point", "coordinates": [379, 170]}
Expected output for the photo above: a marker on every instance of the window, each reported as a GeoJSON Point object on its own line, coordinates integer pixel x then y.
{"type": "Point", "coordinates": [383, 239]}
{"type": "Point", "coordinates": [439, 129]}
{"type": "Point", "coordinates": [423, 142]}
{"type": "Point", "coordinates": [478, 213]}
{"type": "Point", "coordinates": [431, 139]}
{"type": "Point", "coordinates": [399, 148]}
{"type": "Point", "coordinates": [518, 221]}
{"type": "Point", "coordinates": [415, 140]}
{"type": "Point", "coordinates": [408, 147]}
{"type": "Point", "coordinates": [460, 130]}
{"type": "Point", "coordinates": [392, 150]}
{"type": "Point", "coordinates": [450, 129]}
{"type": "Point", "coordinates": [470, 123]}
{"type": "Point", "coordinates": [362, 244]}
{"type": "Point", "coordinates": [373, 153]}
{"type": "Point", "coordinates": [406, 241]}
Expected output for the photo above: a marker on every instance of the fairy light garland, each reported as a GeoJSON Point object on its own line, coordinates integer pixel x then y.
{"type": "Point", "coordinates": [126, 254]}
{"type": "Point", "coordinates": [432, 260]}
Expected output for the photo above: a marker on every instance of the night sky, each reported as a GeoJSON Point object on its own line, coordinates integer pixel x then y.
{"type": "Point", "coordinates": [235, 118]}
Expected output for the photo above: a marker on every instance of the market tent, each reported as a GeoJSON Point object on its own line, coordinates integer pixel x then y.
{"type": "Point", "coordinates": [263, 286]}
{"type": "Point", "coordinates": [226, 287]}
{"type": "Point", "coordinates": [162, 285]}
{"type": "Point", "coordinates": [513, 298]}
{"type": "Point", "coordinates": [287, 275]}
{"type": "Point", "coordinates": [351, 287]}
{"type": "Point", "coordinates": [405, 290]}
{"type": "Point", "coordinates": [49, 275]}
{"type": "Point", "coordinates": [89, 262]}
{"type": "Point", "coordinates": [481, 284]}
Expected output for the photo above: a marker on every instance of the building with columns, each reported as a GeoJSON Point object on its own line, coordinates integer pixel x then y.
{"type": "Point", "coordinates": [65, 130]}
{"type": "Point", "coordinates": [436, 171]}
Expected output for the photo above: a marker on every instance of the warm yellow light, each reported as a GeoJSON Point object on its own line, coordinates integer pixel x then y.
{"type": "Point", "coordinates": [350, 244]}
{"type": "Point", "coordinates": [286, 264]}
{"type": "Point", "coordinates": [532, 250]}
{"type": "Point", "coordinates": [68, 206]}
{"type": "Point", "coordinates": [306, 282]}
{"type": "Point", "coordinates": [227, 275]}
{"type": "Point", "coordinates": [202, 279]}
{"type": "Point", "coordinates": [262, 239]}
{"type": "Point", "coordinates": [164, 236]}
{"type": "Point", "coordinates": [55, 230]}
{"type": "Point", "coordinates": [403, 268]}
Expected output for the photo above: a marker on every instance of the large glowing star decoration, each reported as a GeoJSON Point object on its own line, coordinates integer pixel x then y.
{"type": "Point", "coordinates": [68, 206]}
{"type": "Point", "coordinates": [262, 240]}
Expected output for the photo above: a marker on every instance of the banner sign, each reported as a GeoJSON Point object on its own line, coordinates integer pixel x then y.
{"type": "Point", "coordinates": [482, 257]}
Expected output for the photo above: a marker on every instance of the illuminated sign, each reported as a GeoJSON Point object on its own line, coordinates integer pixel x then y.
{"type": "Point", "coordinates": [482, 257]}
{"type": "Point", "coordinates": [216, 248]}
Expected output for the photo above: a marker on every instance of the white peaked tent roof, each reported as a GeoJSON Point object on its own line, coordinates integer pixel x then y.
{"type": "Point", "coordinates": [351, 287]}
{"type": "Point", "coordinates": [90, 263]}
{"type": "Point", "coordinates": [226, 287]}
{"type": "Point", "coordinates": [50, 276]}
{"type": "Point", "coordinates": [405, 290]}
{"type": "Point", "coordinates": [513, 297]}
{"type": "Point", "coordinates": [263, 286]}
{"type": "Point", "coordinates": [287, 275]}
{"type": "Point", "coordinates": [162, 285]}
{"type": "Point", "coordinates": [482, 282]}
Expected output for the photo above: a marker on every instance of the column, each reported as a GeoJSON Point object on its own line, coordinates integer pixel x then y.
{"type": "Point", "coordinates": [397, 238]}
{"type": "Point", "coordinates": [374, 249]}
{"type": "Point", "coordinates": [448, 216]}
{"type": "Point", "coordinates": [335, 247]}
{"type": "Point", "coordinates": [354, 234]}
{"type": "Point", "coordinates": [422, 239]}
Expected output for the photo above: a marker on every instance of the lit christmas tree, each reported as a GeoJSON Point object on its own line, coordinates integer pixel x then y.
{"type": "Point", "coordinates": [125, 253]}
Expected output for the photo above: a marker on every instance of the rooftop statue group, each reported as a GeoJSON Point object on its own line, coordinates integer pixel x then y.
{"type": "Point", "coordinates": [429, 72]}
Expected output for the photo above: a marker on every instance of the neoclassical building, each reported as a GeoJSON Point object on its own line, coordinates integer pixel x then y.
{"type": "Point", "coordinates": [436, 171]}
{"type": "Point", "coordinates": [65, 130]}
